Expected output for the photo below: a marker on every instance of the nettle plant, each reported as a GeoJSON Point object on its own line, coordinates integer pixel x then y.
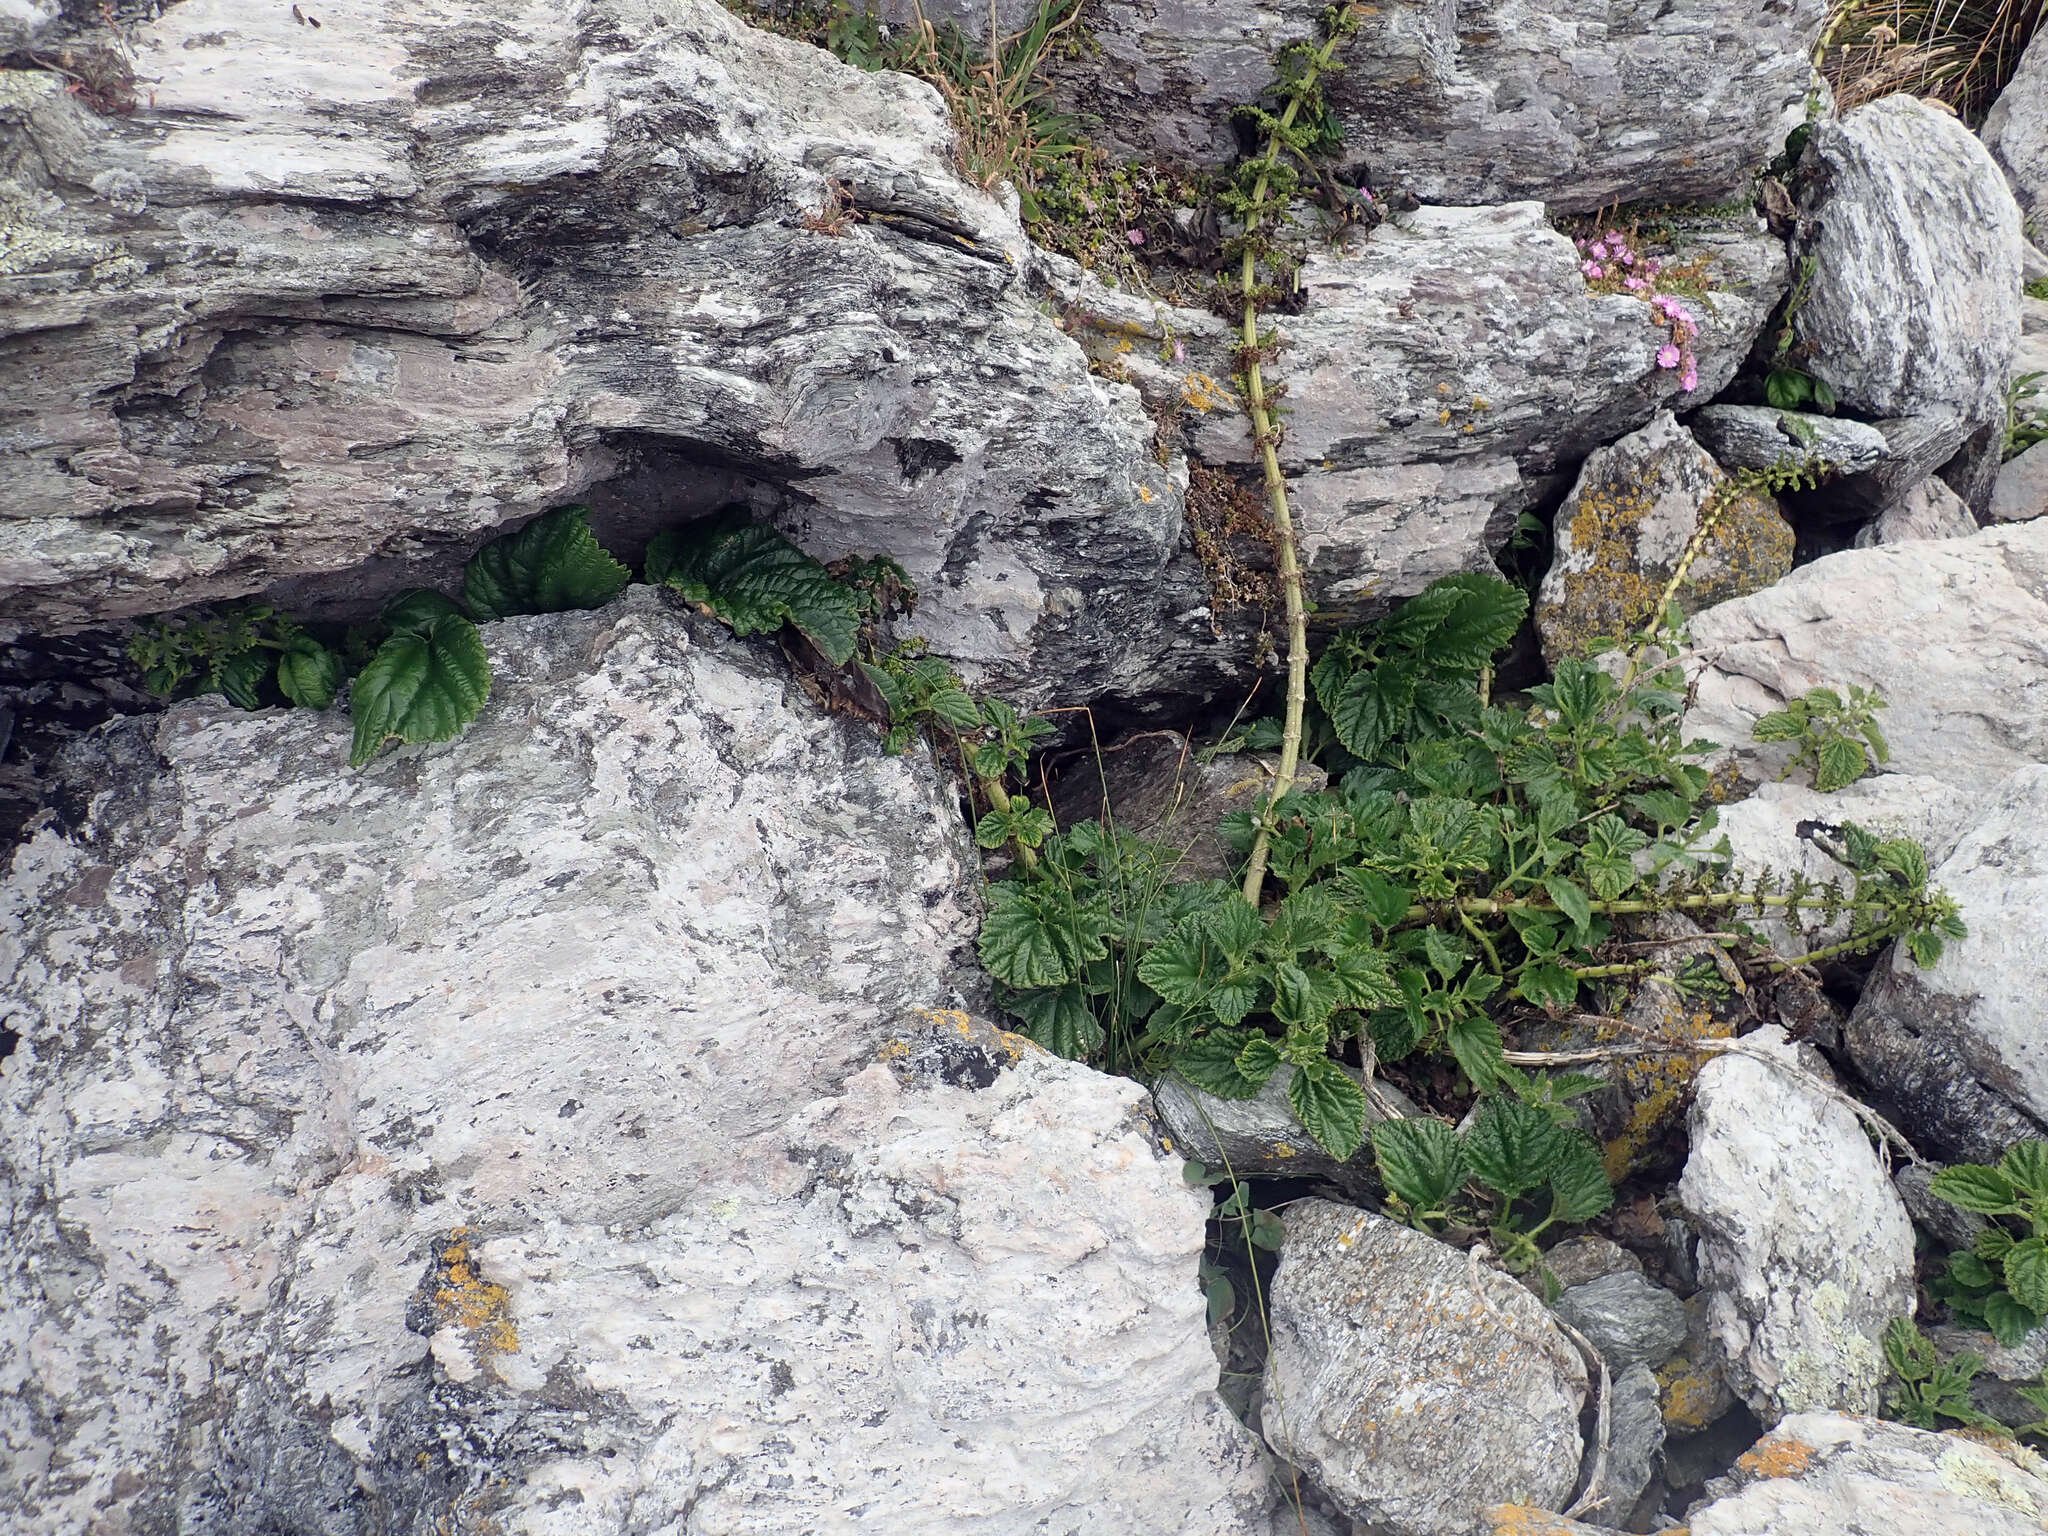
{"type": "Point", "coordinates": [1838, 737]}
{"type": "Point", "coordinates": [2001, 1282]}
{"type": "Point", "coordinates": [1473, 863]}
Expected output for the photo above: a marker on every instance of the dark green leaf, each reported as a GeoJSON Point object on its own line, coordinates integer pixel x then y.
{"type": "Point", "coordinates": [1474, 1040]}
{"type": "Point", "coordinates": [1259, 1059]}
{"type": "Point", "coordinates": [1513, 1147]}
{"type": "Point", "coordinates": [2026, 1164]}
{"type": "Point", "coordinates": [1839, 763]}
{"type": "Point", "coordinates": [240, 676]}
{"type": "Point", "coordinates": [1481, 618]}
{"type": "Point", "coordinates": [1975, 1187]}
{"type": "Point", "coordinates": [1550, 987]}
{"type": "Point", "coordinates": [551, 565]}
{"type": "Point", "coordinates": [1210, 1064]}
{"type": "Point", "coordinates": [956, 707]}
{"type": "Point", "coordinates": [1421, 1160]}
{"type": "Point", "coordinates": [1059, 1019]}
{"type": "Point", "coordinates": [423, 686]}
{"type": "Point", "coordinates": [2026, 1274]}
{"type": "Point", "coordinates": [308, 673]}
{"type": "Point", "coordinates": [1373, 707]}
{"type": "Point", "coordinates": [1573, 903]}
{"type": "Point", "coordinates": [2009, 1319]}
{"type": "Point", "coordinates": [1967, 1269]}
{"type": "Point", "coordinates": [1784, 725]}
{"type": "Point", "coordinates": [756, 580]}
{"type": "Point", "coordinates": [1579, 1187]}
{"type": "Point", "coordinates": [1330, 1106]}
{"type": "Point", "coordinates": [1266, 1231]}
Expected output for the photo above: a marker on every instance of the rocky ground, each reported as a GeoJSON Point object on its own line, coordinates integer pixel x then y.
{"type": "Point", "coordinates": [602, 1122]}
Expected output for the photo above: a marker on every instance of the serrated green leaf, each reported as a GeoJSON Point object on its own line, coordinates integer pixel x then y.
{"type": "Point", "coordinates": [1481, 618]}
{"type": "Point", "coordinates": [1579, 1186]}
{"type": "Point", "coordinates": [1840, 762]}
{"type": "Point", "coordinates": [1396, 1032]}
{"type": "Point", "coordinates": [1210, 1064]}
{"type": "Point", "coordinates": [2026, 1274]}
{"type": "Point", "coordinates": [308, 673]}
{"type": "Point", "coordinates": [1513, 1147]}
{"type": "Point", "coordinates": [1373, 707]}
{"type": "Point", "coordinates": [1330, 1106]}
{"type": "Point", "coordinates": [1445, 952]}
{"type": "Point", "coordinates": [1421, 1160]}
{"type": "Point", "coordinates": [1233, 997]}
{"type": "Point", "coordinates": [1573, 903]}
{"type": "Point", "coordinates": [240, 676]}
{"type": "Point", "coordinates": [1967, 1269]}
{"type": "Point", "coordinates": [2009, 1319]}
{"type": "Point", "coordinates": [1474, 1040]}
{"type": "Point", "coordinates": [1304, 998]}
{"type": "Point", "coordinates": [551, 565]}
{"type": "Point", "coordinates": [423, 686]}
{"type": "Point", "coordinates": [956, 707]}
{"type": "Point", "coordinates": [1034, 939]}
{"type": "Point", "coordinates": [1550, 987]}
{"type": "Point", "coordinates": [1184, 967]}
{"type": "Point", "coordinates": [1385, 902]}
{"type": "Point", "coordinates": [756, 580]}
{"type": "Point", "coordinates": [1993, 1244]}
{"type": "Point", "coordinates": [2026, 1164]}
{"type": "Point", "coordinates": [1975, 1187]}
{"type": "Point", "coordinates": [417, 610]}
{"type": "Point", "coordinates": [1259, 1059]}
{"type": "Point", "coordinates": [1059, 1019]}
{"type": "Point", "coordinates": [1781, 725]}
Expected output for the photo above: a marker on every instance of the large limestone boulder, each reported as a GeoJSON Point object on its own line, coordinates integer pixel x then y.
{"type": "Point", "coordinates": [1953, 635]}
{"type": "Point", "coordinates": [1914, 240]}
{"type": "Point", "coordinates": [1580, 104]}
{"type": "Point", "coordinates": [536, 1132]}
{"type": "Point", "coordinates": [1415, 1387]}
{"type": "Point", "coordinates": [1806, 1252]}
{"type": "Point", "coordinates": [1956, 1050]}
{"type": "Point", "coordinates": [2016, 128]}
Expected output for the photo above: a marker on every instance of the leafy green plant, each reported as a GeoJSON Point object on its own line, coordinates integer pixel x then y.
{"type": "Point", "coordinates": [2024, 424]}
{"type": "Point", "coordinates": [427, 681]}
{"type": "Point", "coordinates": [757, 581]}
{"type": "Point", "coordinates": [237, 650]}
{"type": "Point", "coordinates": [1838, 737]}
{"type": "Point", "coordinates": [552, 565]}
{"type": "Point", "coordinates": [2001, 1282]}
{"type": "Point", "coordinates": [1787, 386]}
{"type": "Point", "coordinates": [1255, 1228]}
{"type": "Point", "coordinates": [1926, 1390]}
{"type": "Point", "coordinates": [1488, 1175]}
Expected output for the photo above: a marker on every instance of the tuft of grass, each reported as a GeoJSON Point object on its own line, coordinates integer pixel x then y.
{"type": "Point", "coordinates": [1957, 52]}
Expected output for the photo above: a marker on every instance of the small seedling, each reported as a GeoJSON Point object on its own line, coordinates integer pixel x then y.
{"type": "Point", "coordinates": [1838, 738]}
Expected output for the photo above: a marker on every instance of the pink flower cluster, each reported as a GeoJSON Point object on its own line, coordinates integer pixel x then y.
{"type": "Point", "coordinates": [1611, 264]}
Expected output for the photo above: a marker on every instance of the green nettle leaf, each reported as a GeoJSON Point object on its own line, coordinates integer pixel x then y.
{"type": "Point", "coordinates": [1183, 969]}
{"type": "Point", "coordinates": [420, 686]}
{"type": "Point", "coordinates": [956, 707]}
{"type": "Point", "coordinates": [1975, 1187]}
{"type": "Point", "coordinates": [2009, 1319]}
{"type": "Point", "coordinates": [2026, 1274]}
{"type": "Point", "coordinates": [1784, 725]}
{"type": "Point", "coordinates": [1032, 938]}
{"type": "Point", "coordinates": [1573, 903]}
{"type": "Point", "coordinates": [1550, 987]}
{"type": "Point", "coordinates": [1474, 1040]}
{"type": "Point", "coordinates": [1482, 616]}
{"type": "Point", "coordinates": [1579, 1182]}
{"type": "Point", "coordinates": [551, 565]}
{"type": "Point", "coordinates": [756, 580]}
{"type": "Point", "coordinates": [2026, 1164]}
{"type": "Point", "coordinates": [1421, 1160]}
{"type": "Point", "coordinates": [1210, 1064]}
{"type": "Point", "coordinates": [308, 673]}
{"type": "Point", "coordinates": [1259, 1059]}
{"type": "Point", "coordinates": [1396, 1032]}
{"type": "Point", "coordinates": [1513, 1147]}
{"type": "Point", "coordinates": [1373, 707]}
{"type": "Point", "coordinates": [1839, 762]}
{"type": "Point", "coordinates": [1303, 998]}
{"type": "Point", "coordinates": [1385, 902]}
{"type": "Point", "coordinates": [239, 676]}
{"type": "Point", "coordinates": [1968, 1269]}
{"type": "Point", "coordinates": [1059, 1019]}
{"type": "Point", "coordinates": [1234, 926]}
{"type": "Point", "coordinates": [1330, 1106]}
{"type": "Point", "coordinates": [417, 610]}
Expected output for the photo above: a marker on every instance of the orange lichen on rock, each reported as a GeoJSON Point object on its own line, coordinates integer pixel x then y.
{"type": "Point", "coordinates": [1776, 1456]}
{"type": "Point", "coordinates": [1692, 1398]}
{"type": "Point", "coordinates": [1524, 1520]}
{"type": "Point", "coordinates": [465, 1300]}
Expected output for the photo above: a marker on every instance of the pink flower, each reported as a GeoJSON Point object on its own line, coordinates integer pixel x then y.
{"type": "Point", "coordinates": [1593, 269]}
{"type": "Point", "coordinates": [1628, 258]}
{"type": "Point", "coordinates": [1691, 381]}
{"type": "Point", "coordinates": [1137, 237]}
{"type": "Point", "coordinates": [1180, 353]}
{"type": "Point", "coordinates": [1668, 356]}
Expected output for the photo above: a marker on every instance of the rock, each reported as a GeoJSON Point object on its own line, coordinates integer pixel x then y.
{"type": "Point", "coordinates": [1578, 1260]}
{"type": "Point", "coordinates": [1929, 511]}
{"type": "Point", "coordinates": [1915, 243]}
{"type": "Point", "coordinates": [1759, 437]}
{"type": "Point", "coordinates": [1954, 1051]}
{"type": "Point", "coordinates": [2021, 490]}
{"type": "Point", "coordinates": [1412, 1387]}
{"type": "Point", "coordinates": [1805, 1250]}
{"type": "Point", "coordinates": [2003, 1370]}
{"type": "Point", "coordinates": [1160, 788]}
{"type": "Point", "coordinates": [1953, 635]}
{"type": "Point", "coordinates": [2016, 130]}
{"type": "Point", "coordinates": [1635, 1448]}
{"type": "Point", "coordinates": [1578, 106]}
{"type": "Point", "coordinates": [1949, 1225]}
{"type": "Point", "coordinates": [25, 23]}
{"type": "Point", "coordinates": [1764, 835]}
{"type": "Point", "coordinates": [1623, 529]}
{"type": "Point", "coordinates": [1916, 446]}
{"type": "Point", "coordinates": [1692, 1386]}
{"type": "Point", "coordinates": [1261, 1137]}
{"type": "Point", "coordinates": [540, 1120]}
{"type": "Point", "coordinates": [1629, 1320]}
{"type": "Point", "coordinates": [1828, 1474]}
{"type": "Point", "coordinates": [561, 257]}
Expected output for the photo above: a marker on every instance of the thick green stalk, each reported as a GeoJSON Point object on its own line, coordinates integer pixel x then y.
{"type": "Point", "coordinates": [1276, 483]}
{"type": "Point", "coordinates": [999, 801]}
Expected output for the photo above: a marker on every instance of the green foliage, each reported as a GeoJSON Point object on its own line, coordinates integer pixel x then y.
{"type": "Point", "coordinates": [551, 565]}
{"type": "Point", "coordinates": [2001, 1282]}
{"type": "Point", "coordinates": [1924, 1390]}
{"type": "Point", "coordinates": [2024, 424]}
{"type": "Point", "coordinates": [428, 680]}
{"type": "Point", "coordinates": [238, 650]}
{"type": "Point", "coordinates": [1794, 389]}
{"type": "Point", "coordinates": [757, 581]}
{"type": "Point", "coordinates": [1838, 738]}
{"type": "Point", "coordinates": [1485, 1176]}
{"type": "Point", "coordinates": [1255, 1229]}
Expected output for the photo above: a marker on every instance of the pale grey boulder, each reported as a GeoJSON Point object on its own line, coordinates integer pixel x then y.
{"type": "Point", "coordinates": [1953, 635]}
{"type": "Point", "coordinates": [1929, 511]}
{"type": "Point", "coordinates": [1955, 1050]}
{"type": "Point", "coordinates": [1578, 105]}
{"type": "Point", "coordinates": [1635, 1451]}
{"type": "Point", "coordinates": [1830, 1474]}
{"type": "Point", "coordinates": [1763, 437]}
{"type": "Point", "coordinates": [2021, 490]}
{"type": "Point", "coordinates": [541, 1127]}
{"type": "Point", "coordinates": [1805, 1250]}
{"type": "Point", "coordinates": [2016, 129]}
{"type": "Point", "coordinates": [1915, 243]}
{"type": "Point", "coordinates": [1630, 1320]}
{"type": "Point", "coordinates": [1415, 1388]}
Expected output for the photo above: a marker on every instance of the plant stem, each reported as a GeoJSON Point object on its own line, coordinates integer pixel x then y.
{"type": "Point", "coordinates": [1269, 459]}
{"type": "Point", "coordinates": [999, 799]}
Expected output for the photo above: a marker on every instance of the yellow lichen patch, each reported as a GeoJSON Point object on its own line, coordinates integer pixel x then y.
{"type": "Point", "coordinates": [953, 1017]}
{"type": "Point", "coordinates": [1525, 1520]}
{"type": "Point", "coordinates": [1657, 1086]}
{"type": "Point", "coordinates": [1690, 1395]}
{"type": "Point", "coordinates": [1200, 392]}
{"type": "Point", "coordinates": [464, 1299]}
{"type": "Point", "coordinates": [1776, 1456]}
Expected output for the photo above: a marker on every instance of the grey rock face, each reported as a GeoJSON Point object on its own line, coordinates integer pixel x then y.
{"type": "Point", "coordinates": [1915, 241]}
{"type": "Point", "coordinates": [1262, 1137]}
{"type": "Point", "coordinates": [279, 328]}
{"type": "Point", "coordinates": [1414, 1390]}
{"type": "Point", "coordinates": [1929, 511]}
{"type": "Point", "coordinates": [1625, 526]}
{"type": "Point", "coordinates": [2021, 490]}
{"type": "Point", "coordinates": [1635, 1449]}
{"type": "Point", "coordinates": [2016, 129]}
{"type": "Point", "coordinates": [1827, 1474]}
{"type": "Point", "coordinates": [1916, 446]}
{"type": "Point", "coordinates": [1950, 1225]}
{"type": "Point", "coordinates": [1805, 1250]}
{"type": "Point", "coordinates": [1993, 1392]}
{"type": "Point", "coordinates": [1955, 1049]}
{"type": "Point", "coordinates": [1953, 635]}
{"type": "Point", "coordinates": [1627, 1318]}
{"type": "Point", "coordinates": [1579, 105]}
{"type": "Point", "coordinates": [1759, 436]}
{"type": "Point", "coordinates": [510, 1127]}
